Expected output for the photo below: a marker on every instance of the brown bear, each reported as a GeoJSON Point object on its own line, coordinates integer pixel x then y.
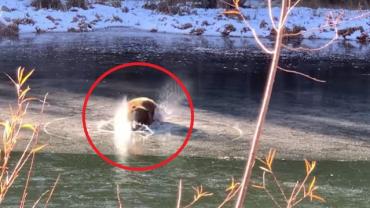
{"type": "Point", "coordinates": [141, 111]}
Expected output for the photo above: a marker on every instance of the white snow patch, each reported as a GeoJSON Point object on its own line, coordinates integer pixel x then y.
{"type": "Point", "coordinates": [101, 16]}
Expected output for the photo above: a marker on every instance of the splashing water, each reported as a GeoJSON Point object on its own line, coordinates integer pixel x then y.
{"type": "Point", "coordinates": [125, 140]}
{"type": "Point", "coordinates": [170, 100]}
{"type": "Point", "coordinates": [122, 129]}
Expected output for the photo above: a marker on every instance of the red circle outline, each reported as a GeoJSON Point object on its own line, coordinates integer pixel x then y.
{"type": "Point", "coordinates": [151, 66]}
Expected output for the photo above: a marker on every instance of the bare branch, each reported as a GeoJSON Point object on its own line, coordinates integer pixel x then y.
{"type": "Point", "coordinates": [233, 190]}
{"type": "Point", "coordinates": [271, 15]}
{"type": "Point", "coordinates": [315, 49]}
{"type": "Point", "coordinates": [302, 74]}
{"type": "Point", "coordinates": [291, 7]}
{"type": "Point", "coordinates": [263, 110]}
{"type": "Point", "coordinates": [120, 205]}
{"type": "Point", "coordinates": [39, 199]}
{"type": "Point", "coordinates": [179, 195]}
{"type": "Point", "coordinates": [255, 36]}
{"type": "Point", "coordinates": [51, 192]}
{"type": "Point", "coordinates": [24, 196]}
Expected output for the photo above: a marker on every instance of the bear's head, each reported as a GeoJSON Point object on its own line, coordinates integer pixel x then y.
{"type": "Point", "coordinates": [141, 112]}
{"type": "Point", "coordinates": [140, 116]}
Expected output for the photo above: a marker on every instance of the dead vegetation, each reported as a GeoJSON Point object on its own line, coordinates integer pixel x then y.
{"type": "Point", "coordinates": [197, 31]}
{"type": "Point", "coordinates": [183, 7]}
{"type": "Point", "coordinates": [183, 26]}
{"type": "Point", "coordinates": [228, 29]}
{"type": "Point", "coordinates": [11, 30]}
{"type": "Point", "coordinates": [24, 21]}
{"type": "Point", "coordinates": [113, 3]}
{"type": "Point", "coordinates": [48, 4]}
{"type": "Point", "coordinates": [16, 129]}
{"type": "Point", "coordinates": [302, 190]}
{"type": "Point", "coordinates": [77, 3]}
{"type": "Point", "coordinates": [59, 5]}
{"type": "Point", "coordinates": [291, 34]}
{"type": "Point", "coordinates": [349, 31]}
{"type": "Point", "coordinates": [363, 38]}
{"type": "Point", "coordinates": [348, 4]}
{"type": "Point", "coordinates": [167, 8]}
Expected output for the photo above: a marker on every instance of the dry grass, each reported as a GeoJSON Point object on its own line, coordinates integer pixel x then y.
{"type": "Point", "coordinates": [10, 167]}
{"type": "Point", "coordinates": [48, 4]}
{"type": "Point", "coordinates": [182, 6]}
{"type": "Point", "coordinates": [303, 189]}
{"type": "Point", "coordinates": [348, 4]}
{"type": "Point", "coordinates": [10, 30]}
{"type": "Point", "coordinates": [113, 3]}
{"type": "Point", "coordinates": [77, 3]}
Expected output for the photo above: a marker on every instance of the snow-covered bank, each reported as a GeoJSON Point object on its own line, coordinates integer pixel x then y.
{"type": "Point", "coordinates": [197, 22]}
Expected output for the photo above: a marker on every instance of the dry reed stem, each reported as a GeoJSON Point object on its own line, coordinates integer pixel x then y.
{"type": "Point", "coordinates": [179, 195]}
{"type": "Point", "coordinates": [233, 190]}
{"type": "Point", "coordinates": [52, 191]}
{"type": "Point", "coordinates": [199, 194]}
{"type": "Point", "coordinates": [302, 74]}
{"type": "Point", "coordinates": [24, 196]}
{"type": "Point", "coordinates": [299, 191]}
{"type": "Point", "coordinates": [120, 205]}
{"type": "Point", "coordinates": [39, 199]}
{"type": "Point", "coordinates": [11, 134]}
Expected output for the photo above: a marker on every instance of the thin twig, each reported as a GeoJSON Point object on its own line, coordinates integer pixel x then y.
{"type": "Point", "coordinates": [330, 42]}
{"type": "Point", "coordinates": [267, 191]}
{"type": "Point", "coordinates": [229, 197]}
{"type": "Point", "coordinates": [254, 33]}
{"type": "Point", "coordinates": [199, 194]}
{"type": "Point", "coordinates": [293, 193]}
{"type": "Point", "coordinates": [39, 199]}
{"type": "Point", "coordinates": [269, 2]}
{"type": "Point", "coordinates": [24, 196]}
{"type": "Point", "coordinates": [279, 186]}
{"type": "Point", "coordinates": [119, 198]}
{"type": "Point", "coordinates": [179, 195]}
{"type": "Point", "coordinates": [301, 74]}
{"type": "Point", "coordinates": [51, 192]}
{"type": "Point", "coordinates": [302, 184]}
{"type": "Point", "coordinates": [291, 7]}
{"type": "Point", "coordinates": [272, 198]}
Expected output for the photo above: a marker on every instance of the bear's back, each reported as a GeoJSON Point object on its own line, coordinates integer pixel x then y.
{"type": "Point", "coordinates": [142, 102]}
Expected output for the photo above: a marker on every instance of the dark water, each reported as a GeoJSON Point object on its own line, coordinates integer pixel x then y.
{"type": "Point", "coordinates": [86, 181]}
{"type": "Point", "coordinates": [228, 65]}
{"type": "Point", "coordinates": [221, 74]}
{"type": "Point", "coordinates": [214, 69]}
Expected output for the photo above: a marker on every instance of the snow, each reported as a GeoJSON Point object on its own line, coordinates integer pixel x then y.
{"type": "Point", "coordinates": [211, 20]}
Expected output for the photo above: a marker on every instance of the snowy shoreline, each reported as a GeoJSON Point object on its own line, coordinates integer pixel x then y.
{"type": "Point", "coordinates": [208, 22]}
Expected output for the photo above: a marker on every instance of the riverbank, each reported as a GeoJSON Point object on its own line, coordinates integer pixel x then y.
{"type": "Point", "coordinates": [313, 23]}
{"type": "Point", "coordinates": [307, 119]}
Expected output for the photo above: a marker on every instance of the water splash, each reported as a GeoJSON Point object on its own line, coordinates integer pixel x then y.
{"type": "Point", "coordinates": [122, 129]}
{"type": "Point", "coordinates": [127, 141]}
{"type": "Point", "coordinates": [170, 101]}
